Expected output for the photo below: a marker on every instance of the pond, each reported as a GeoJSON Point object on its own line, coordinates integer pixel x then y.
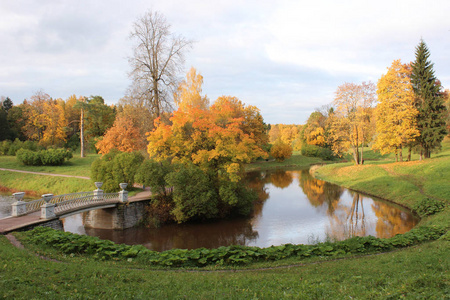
{"type": "Point", "coordinates": [293, 207]}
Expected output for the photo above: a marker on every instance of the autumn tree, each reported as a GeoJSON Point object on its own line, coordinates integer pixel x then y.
{"type": "Point", "coordinates": [217, 138]}
{"type": "Point", "coordinates": [428, 102]}
{"type": "Point", "coordinates": [157, 60]}
{"type": "Point", "coordinates": [122, 136]}
{"type": "Point", "coordinates": [446, 96]}
{"type": "Point", "coordinates": [351, 120]}
{"type": "Point", "coordinates": [316, 132]}
{"type": "Point", "coordinates": [189, 92]}
{"type": "Point", "coordinates": [281, 151]}
{"type": "Point", "coordinates": [395, 113]}
{"type": "Point", "coordinates": [45, 120]}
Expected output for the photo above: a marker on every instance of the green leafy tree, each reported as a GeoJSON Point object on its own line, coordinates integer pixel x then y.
{"type": "Point", "coordinates": [116, 167]}
{"type": "Point", "coordinates": [428, 101]}
{"type": "Point", "coordinates": [7, 104]}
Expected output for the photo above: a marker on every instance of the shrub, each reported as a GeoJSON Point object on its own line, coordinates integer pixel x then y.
{"type": "Point", "coordinates": [316, 151]}
{"type": "Point", "coordinates": [152, 174]}
{"type": "Point", "coordinates": [50, 157]}
{"type": "Point", "coordinates": [8, 147]}
{"type": "Point", "coordinates": [429, 206]}
{"type": "Point", "coordinates": [194, 194]}
{"type": "Point", "coordinates": [4, 147]}
{"type": "Point", "coordinates": [116, 167]}
{"type": "Point", "coordinates": [281, 151]}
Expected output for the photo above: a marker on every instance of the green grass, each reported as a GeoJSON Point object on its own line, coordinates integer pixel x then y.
{"type": "Point", "coordinates": [296, 160]}
{"type": "Point", "coordinates": [36, 185]}
{"type": "Point", "coordinates": [77, 166]}
{"type": "Point", "coordinates": [418, 272]}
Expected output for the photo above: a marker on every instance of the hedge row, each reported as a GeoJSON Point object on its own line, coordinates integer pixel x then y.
{"type": "Point", "coordinates": [50, 157]}
{"type": "Point", "coordinates": [70, 243]}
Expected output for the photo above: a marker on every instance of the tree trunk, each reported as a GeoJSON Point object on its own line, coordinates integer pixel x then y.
{"type": "Point", "coordinates": [409, 153]}
{"type": "Point", "coordinates": [362, 151]}
{"type": "Point", "coordinates": [82, 133]}
{"type": "Point", "coordinates": [401, 153]}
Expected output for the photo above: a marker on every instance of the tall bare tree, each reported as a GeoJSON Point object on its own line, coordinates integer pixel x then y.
{"type": "Point", "coordinates": [157, 60]}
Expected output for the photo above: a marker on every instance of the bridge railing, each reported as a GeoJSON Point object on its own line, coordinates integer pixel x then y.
{"type": "Point", "coordinates": [49, 205]}
{"type": "Point", "coordinates": [85, 200]}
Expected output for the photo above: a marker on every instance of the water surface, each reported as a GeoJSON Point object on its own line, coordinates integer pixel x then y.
{"type": "Point", "coordinates": [293, 207]}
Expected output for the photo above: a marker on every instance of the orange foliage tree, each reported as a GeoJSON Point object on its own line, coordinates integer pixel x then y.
{"type": "Point", "coordinates": [123, 136]}
{"type": "Point", "coordinates": [223, 137]}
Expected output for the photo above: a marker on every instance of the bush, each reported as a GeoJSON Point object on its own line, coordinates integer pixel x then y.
{"type": "Point", "coordinates": [428, 207]}
{"type": "Point", "coordinates": [116, 167]}
{"type": "Point", "coordinates": [8, 147]}
{"type": "Point", "coordinates": [281, 151]}
{"type": "Point", "coordinates": [316, 151]}
{"type": "Point", "coordinates": [152, 174]}
{"type": "Point", "coordinates": [50, 157]}
{"type": "Point", "coordinates": [194, 194]}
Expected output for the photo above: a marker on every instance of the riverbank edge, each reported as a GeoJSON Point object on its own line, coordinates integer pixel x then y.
{"type": "Point", "coordinates": [318, 173]}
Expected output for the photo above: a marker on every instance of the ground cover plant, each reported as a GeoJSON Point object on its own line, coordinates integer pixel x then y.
{"type": "Point", "coordinates": [74, 244]}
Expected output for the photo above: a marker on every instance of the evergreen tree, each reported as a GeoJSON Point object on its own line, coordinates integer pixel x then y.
{"type": "Point", "coordinates": [428, 101]}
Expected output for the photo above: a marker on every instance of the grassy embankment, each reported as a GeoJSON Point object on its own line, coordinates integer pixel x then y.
{"type": "Point", "coordinates": [295, 161]}
{"type": "Point", "coordinates": [416, 272]}
{"type": "Point", "coordinates": [36, 185]}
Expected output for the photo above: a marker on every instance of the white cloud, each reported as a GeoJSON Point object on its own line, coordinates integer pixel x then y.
{"type": "Point", "coordinates": [286, 57]}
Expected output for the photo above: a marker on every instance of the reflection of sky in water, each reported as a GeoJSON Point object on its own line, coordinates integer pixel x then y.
{"type": "Point", "coordinates": [288, 217]}
{"type": "Point", "coordinates": [5, 206]}
{"type": "Point", "coordinates": [299, 210]}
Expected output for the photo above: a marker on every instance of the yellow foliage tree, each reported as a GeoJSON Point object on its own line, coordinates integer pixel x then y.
{"type": "Point", "coordinates": [189, 92]}
{"type": "Point", "coordinates": [351, 121]}
{"type": "Point", "coordinates": [395, 113]}
{"type": "Point", "coordinates": [45, 120]}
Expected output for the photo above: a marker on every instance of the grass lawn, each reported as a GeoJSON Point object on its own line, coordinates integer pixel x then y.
{"type": "Point", "coordinates": [417, 272]}
{"type": "Point", "coordinates": [296, 160]}
{"type": "Point", "coordinates": [76, 166]}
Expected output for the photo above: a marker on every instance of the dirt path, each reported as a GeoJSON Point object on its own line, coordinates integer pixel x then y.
{"type": "Point", "coordinates": [12, 239]}
{"type": "Point", "coordinates": [46, 174]}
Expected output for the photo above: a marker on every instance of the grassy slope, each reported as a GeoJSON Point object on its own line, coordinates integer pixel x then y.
{"type": "Point", "coordinates": [77, 166]}
{"type": "Point", "coordinates": [36, 185]}
{"type": "Point", "coordinates": [416, 272]}
{"type": "Point", "coordinates": [296, 160]}
{"type": "Point", "coordinates": [406, 183]}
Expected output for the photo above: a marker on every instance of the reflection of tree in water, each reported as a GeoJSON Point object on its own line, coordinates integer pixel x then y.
{"type": "Point", "coordinates": [319, 192]}
{"type": "Point", "coordinates": [348, 221]}
{"type": "Point", "coordinates": [391, 220]}
{"type": "Point", "coordinates": [186, 236]}
{"type": "Point", "coordinates": [281, 179]}
{"type": "Point", "coordinates": [257, 181]}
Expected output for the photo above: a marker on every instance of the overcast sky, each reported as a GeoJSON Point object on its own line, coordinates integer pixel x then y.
{"type": "Point", "coordinates": [285, 57]}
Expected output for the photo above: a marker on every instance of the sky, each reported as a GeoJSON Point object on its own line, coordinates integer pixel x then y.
{"type": "Point", "coordinates": [285, 57]}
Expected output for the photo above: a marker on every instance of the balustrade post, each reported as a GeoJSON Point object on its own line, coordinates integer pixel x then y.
{"type": "Point", "coordinates": [48, 209]}
{"type": "Point", "coordinates": [19, 207]}
{"type": "Point", "coordinates": [98, 193]}
{"type": "Point", "coordinates": [123, 195]}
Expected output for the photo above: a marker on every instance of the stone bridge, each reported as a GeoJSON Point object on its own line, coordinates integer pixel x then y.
{"type": "Point", "coordinates": [106, 210]}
